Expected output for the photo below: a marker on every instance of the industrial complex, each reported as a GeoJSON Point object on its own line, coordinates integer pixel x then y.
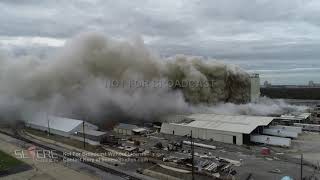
{"type": "Point", "coordinates": [238, 129]}
{"type": "Point", "coordinates": [183, 146]}
{"type": "Point", "coordinates": [208, 139]}
{"type": "Point", "coordinates": [232, 129]}
{"type": "Point", "coordinates": [159, 90]}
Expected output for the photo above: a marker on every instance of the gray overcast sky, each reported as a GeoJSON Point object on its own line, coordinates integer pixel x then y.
{"type": "Point", "coordinates": [266, 33]}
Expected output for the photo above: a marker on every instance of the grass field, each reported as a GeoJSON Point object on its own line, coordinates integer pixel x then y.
{"type": "Point", "coordinates": [8, 162]}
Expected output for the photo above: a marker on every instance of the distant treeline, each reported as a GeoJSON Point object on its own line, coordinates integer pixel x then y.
{"type": "Point", "coordinates": [291, 92]}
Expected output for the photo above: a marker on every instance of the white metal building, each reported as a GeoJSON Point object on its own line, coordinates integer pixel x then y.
{"type": "Point", "coordinates": [223, 128]}
{"type": "Point", "coordinates": [57, 125]}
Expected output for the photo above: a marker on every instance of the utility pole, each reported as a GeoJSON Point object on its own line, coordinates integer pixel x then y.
{"type": "Point", "coordinates": [192, 156]}
{"type": "Point", "coordinates": [48, 121]}
{"type": "Point", "coordinates": [301, 166]}
{"type": "Point", "coordinates": [84, 136]}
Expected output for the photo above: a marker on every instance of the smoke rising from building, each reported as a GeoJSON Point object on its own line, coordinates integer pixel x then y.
{"type": "Point", "coordinates": [73, 83]}
{"type": "Point", "coordinates": [263, 107]}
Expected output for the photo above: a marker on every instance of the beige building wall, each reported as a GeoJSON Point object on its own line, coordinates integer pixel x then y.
{"type": "Point", "coordinates": [123, 131]}
{"type": "Point", "coordinates": [255, 87]}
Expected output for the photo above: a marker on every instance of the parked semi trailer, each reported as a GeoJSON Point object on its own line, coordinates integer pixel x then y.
{"type": "Point", "coordinates": [271, 140]}
{"type": "Point", "coordinates": [280, 133]}
{"type": "Point", "coordinates": [308, 127]}
{"type": "Point", "coordinates": [288, 128]}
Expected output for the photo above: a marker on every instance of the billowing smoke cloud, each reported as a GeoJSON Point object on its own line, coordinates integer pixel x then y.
{"type": "Point", "coordinates": [263, 107]}
{"type": "Point", "coordinates": [77, 82]}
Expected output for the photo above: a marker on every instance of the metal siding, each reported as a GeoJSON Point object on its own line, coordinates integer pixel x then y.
{"type": "Point", "coordinates": [227, 138]}
{"type": "Point", "coordinates": [237, 124]}
{"type": "Point", "coordinates": [202, 133]}
{"type": "Point", "coordinates": [239, 139]}
{"type": "Point", "coordinates": [180, 130]}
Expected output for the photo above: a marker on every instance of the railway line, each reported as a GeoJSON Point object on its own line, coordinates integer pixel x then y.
{"type": "Point", "coordinates": [17, 135]}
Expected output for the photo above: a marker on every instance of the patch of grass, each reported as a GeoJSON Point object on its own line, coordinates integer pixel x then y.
{"type": "Point", "coordinates": [8, 162]}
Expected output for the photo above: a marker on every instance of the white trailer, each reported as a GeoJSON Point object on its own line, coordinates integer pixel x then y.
{"type": "Point", "coordinates": [280, 133]}
{"type": "Point", "coordinates": [271, 140]}
{"type": "Point", "coordinates": [288, 128]}
{"type": "Point", "coordinates": [308, 127]}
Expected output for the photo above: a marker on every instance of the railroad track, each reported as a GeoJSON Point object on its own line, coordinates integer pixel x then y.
{"type": "Point", "coordinates": [61, 155]}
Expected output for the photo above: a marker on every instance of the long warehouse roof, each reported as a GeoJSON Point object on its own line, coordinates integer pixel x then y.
{"type": "Point", "coordinates": [58, 123]}
{"type": "Point", "coordinates": [232, 123]}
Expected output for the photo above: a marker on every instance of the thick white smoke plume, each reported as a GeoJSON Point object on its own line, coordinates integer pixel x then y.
{"type": "Point", "coordinates": [75, 83]}
{"type": "Point", "coordinates": [263, 107]}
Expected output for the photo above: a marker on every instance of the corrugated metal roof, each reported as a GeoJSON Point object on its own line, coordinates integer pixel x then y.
{"type": "Point", "coordinates": [299, 117]}
{"type": "Point", "coordinates": [238, 123]}
{"type": "Point", "coordinates": [57, 123]}
{"type": "Point", "coordinates": [304, 115]}
{"type": "Point", "coordinates": [94, 132]}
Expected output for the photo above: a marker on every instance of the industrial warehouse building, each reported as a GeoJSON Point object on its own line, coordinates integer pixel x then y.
{"type": "Point", "coordinates": [128, 129]}
{"type": "Point", "coordinates": [125, 129]}
{"type": "Point", "coordinates": [57, 125]}
{"type": "Point", "coordinates": [222, 128]}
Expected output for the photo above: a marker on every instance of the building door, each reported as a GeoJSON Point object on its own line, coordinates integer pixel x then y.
{"type": "Point", "coordinates": [234, 139]}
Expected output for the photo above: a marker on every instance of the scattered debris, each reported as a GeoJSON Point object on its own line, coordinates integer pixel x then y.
{"type": "Point", "coordinates": [159, 145]}
{"type": "Point", "coordinates": [275, 158]}
{"type": "Point", "coordinates": [200, 145]}
{"type": "Point", "coordinates": [277, 171]}
{"type": "Point", "coordinates": [265, 151]}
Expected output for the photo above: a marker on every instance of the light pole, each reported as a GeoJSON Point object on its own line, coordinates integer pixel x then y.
{"type": "Point", "coordinates": [84, 136]}
{"type": "Point", "coordinates": [192, 155]}
{"type": "Point", "coordinates": [301, 166]}
{"type": "Point", "coordinates": [48, 123]}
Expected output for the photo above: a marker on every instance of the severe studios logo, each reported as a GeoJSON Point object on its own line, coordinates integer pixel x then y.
{"type": "Point", "coordinates": [35, 154]}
